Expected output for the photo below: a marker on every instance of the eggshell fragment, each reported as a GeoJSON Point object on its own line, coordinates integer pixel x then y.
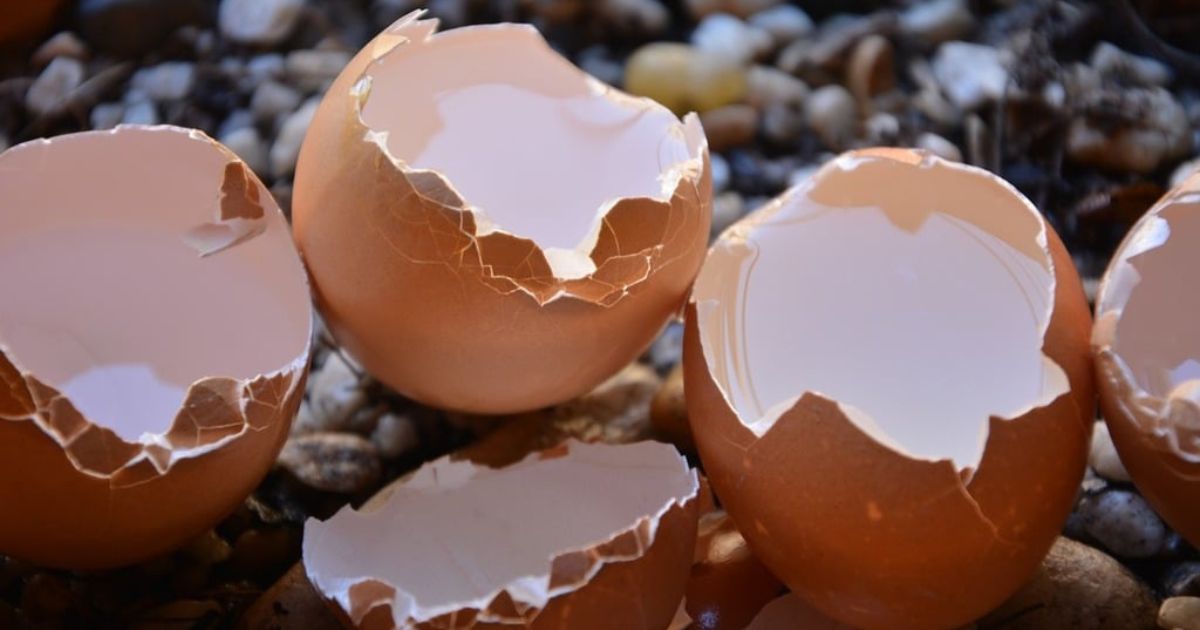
{"type": "Point", "coordinates": [791, 612]}
{"type": "Point", "coordinates": [488, 228]}
{"type": "Point", "coordinates": [1147, 356]}
{"type": "Point", "coordinates": [579, 536]}
{"type": "Point", "coordinates": [888, 383]}
{"type": "Point", "coordinates": [154, 334]}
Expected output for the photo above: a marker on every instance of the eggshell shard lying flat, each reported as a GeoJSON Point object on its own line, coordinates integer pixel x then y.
{"type": "Point", "coordinates": [1147, 356]}
{"type": "Point", "coordinates": [728, 585]}
{"type": "Point", "coordinates": [488, 228]}
{"type": "Point", "coordinates": [579, 536]}
{"type": "Point", "coordinates": [888, 383]}
{"type": "Point", "coordinates": [154, 334]}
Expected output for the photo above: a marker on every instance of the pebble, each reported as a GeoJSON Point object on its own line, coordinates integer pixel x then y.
{"type": "Point", "coordinates": [833, 115]}
{"type": "Point", "coordinates": [450, 12]}
{"type": "Point", "coordinates": [937, 21]}
{"type": "Point", "coordinates": [939, 146]}
{"type": "Point", "coordinates": [236, 119]}
{"type": "Point", "coordinates": [332, 462]}
{"type": "Point", "coordinates": [266, 66]}
{"type": "Point", "coordinates": [668, 413]}
{"type": "Point", "coordinates": [1123, 522]}
{"type": "Point", "coordinates": [638, 17]}
{"type": "Point", "coordinates": [168, 81]}
{"type": "Point", "coordinates": [784, 23]}
{"type": "Point", "coordinates": [107, 115]}
{"type": "Point", "coordinates": [287, 144]}
{"type": "Point", "coordinates": [1159, 134]}
{"type": "Point", "coordinates": [620, 405]}
{"type": "Point", "coordinates": [52, 86]}
{"type": "Point", "coordinates": [684, 79]}
{"type": "Point", "coordinates": [140, 113]}
{"type": "Point", "coordinates": [729, 126]}
{"type": "Point", "coordinates": [766, 86]}
{"type": "Point", "coordinates": [248, 145]}
{"type": "Point", "coordinates": [870, 71]}
{"type": "Point", "coordinates": [741, 8]}
{"type": "Point", "coordinates": [882, 128]}
{"type": "Point", "coordinates": [259, 22]}
{"type": "Point", "coordinates": [667, 349]}
{"type": "Point", "coordinates": [1179, 613]}
{"type": "Point", "coordinates": [314, 69]}
{"type": "Point", "coordinates": [730, 38]}
{"type": "Point", "coordinates": [1183, 579]}
{"type": "Point", "coordinates": [1115, 63]}
{"type": "Point", "coordinates": [1077, 586]}
{"type": "Point", "coordinates": [395, 434]}
{"type": "Point", "coordinates": [5, 143]}
{"type": "Point", "coordinates": [335, 393]}
{"type": "Point", "coordinates": [63, 44]}
{"type": "Point", "coordinates": [720, 172]}
{"type": "Point", "coordinates": [129, 28]}
{"type": "Point", "coordinates": [970, 74]}
{"type": "Point", "coordinates": [1104, 458]}
{"type": "Point", "coordinates": [271, 100]}
{"type": "Point", "coordinates": [728, 207]}
{"type": "Point", "coordinates": [783, 123]}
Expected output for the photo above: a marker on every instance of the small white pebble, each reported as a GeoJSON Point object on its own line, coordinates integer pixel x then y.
{"type": "Point", "coordinates": [832, 113]}
{"type": "Point", "coordinates": [140, 113]}
{"type": "Point", "coordinates": [291, 136]}
{"type": "Point", "coordinates": [249, 146]}
{"type": "Point", "coordinates": [394, 435]}
{"type": "Point", "coordinates": [313, 69]}
{"type": "Point", "coordinates": [785, 23]}
{"type": "Point", "coordinates": [107, 115]}
{"type": "Point", "coordinates": [272, 99]}
{"type": "Point", "coordinates": [720, 172]}
{"type": "Point", "coordinates": [172, 80]}
{"type": "Point", "coordinates": [1111, 61]}
{"type": "Point", "coordinates": [939, 146]}
{"type": "Point", "coordinates": [970, 74]}
{"type": "Point", "coordinates": [52, 86]}
{"type": "Point", "coordinates": [62, 44]}
{"type": "Point", "coordinates": [262, 22]}
{"type": "Point", "coordinates": [730, 38]}
{"type": "Point", "coordinates": [937, 21]}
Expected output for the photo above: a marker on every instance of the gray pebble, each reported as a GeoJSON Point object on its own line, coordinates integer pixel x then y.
{"type": "Point", "coordinates": [720, 172]}
{"type": "Point", "coordinates": [332, 462]}
{"type": "Point", "coordinates": [107, 115]}
{"type": "Point", "coordinates": [1103, 457]}
{"type": "Point", "coordinates": [169, 81]}
{"type": "Point", "coordinates": [730, 38]}
{"type": "Point", "coordinates": [766, 86]}
{"type": "Point", "coordinates": [314, 69]}
{"type": "Point", "coordinates": [291, 136]}
{"type": "Point", "coordinates": [785, 23]}
{"type": "Point", "coordinates": [636, 17]}
{"type": "Point", "coordinates": [265, 66]}
{"type": "Point", "coordinates": [939, 146]}
{"type": "Point", "coordinates": [63, 44]}
{"type": "Point", "coordinates": [937, 21]}
{"type": "Point", "coordinates": [272, 99]}
{"type": "Point", "coordinates": [667, 349]}
{"type": "Point", "coordinates": [260, 22]}
{"type": "Point", "coordinates": [140, 113]}
{"type": "Point", "coordinates": [237, 119]}
{"type": "Point", "coordinates": [1113, 62]}
{"type": "Point", "coordinates": [832, 113]}
{"type": "Point", "coordinates": [395, 434]}
{"type": "Point", "coordinates": [334, 395]}
{"type": "Point", "coordinates": [970, 74]}
{"type": "Point", "coordinates": [52, 86]}
{"type": "Point", "coordinates": [783, 123]}
{"type": "Point", "coordinates": [1183, 579]}
{"type": "Point", "coordinates": [1124, 523]}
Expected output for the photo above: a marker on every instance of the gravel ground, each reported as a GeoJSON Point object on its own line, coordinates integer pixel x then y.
{"type": "Point", "coordinates": [1091, 109]}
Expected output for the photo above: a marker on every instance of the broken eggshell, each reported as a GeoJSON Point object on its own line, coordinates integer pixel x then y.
{"type": "Point", "coordinates": [154, 334]}
{"type": "Point", "coordinates": [728, 585]}
{"type": "Point", "coordinates": [1147, 356]}
{"type": "Point", "coordinates": [577, 536]}
{"type": "Point", "coordinates": [488, 228]}
{"type": "Point", "coordinates": [889, 386]}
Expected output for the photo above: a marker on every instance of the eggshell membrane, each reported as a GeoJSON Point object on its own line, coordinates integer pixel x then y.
{"type": "Point", "coordinates": [229, 329]}
{"type": "Point", "coordinates": [434, 297]}
{"type": "Point", "coordinates": [728, 585]}
{"type": "Point", "coordinates": [1146, 353]}
{"type": "Point", "coordinates": [633, 577]}
{"type": "Point", "coordinates": [872, 537]}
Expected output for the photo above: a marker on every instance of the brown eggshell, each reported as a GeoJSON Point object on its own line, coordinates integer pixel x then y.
{"type": "Point", "coordinates": [791, 612]}
{"type": "Point", "coordinates": [633, 577]}
{"type": "Point", "coordinates": [165, 251]}
{"type": "Point", "coordinates": [868, 535]}
{"type": "Point", "coordinates": [1144, 337]}
{"type": "Point", "coordinates": [24, 20]}
{"type": "Point", "coordinates": [409, 277]}
{"type": "Point", "coordinates": [728, 585]}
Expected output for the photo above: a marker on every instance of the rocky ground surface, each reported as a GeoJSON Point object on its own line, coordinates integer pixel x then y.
{"type": "Point", "coordinates": [1091, 109]}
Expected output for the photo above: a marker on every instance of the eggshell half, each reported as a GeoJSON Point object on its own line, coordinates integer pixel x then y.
{"type": "Point", "coordinates": [488, 228]}
{"type": "Point", "coordinates": [154, 335]}
{"type": "Point", "coordinates": [577, 536]}
{"type": "Point", "coordinates": [1147, 356]}
{"type": "Point", "coordinates": [889, 385]}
